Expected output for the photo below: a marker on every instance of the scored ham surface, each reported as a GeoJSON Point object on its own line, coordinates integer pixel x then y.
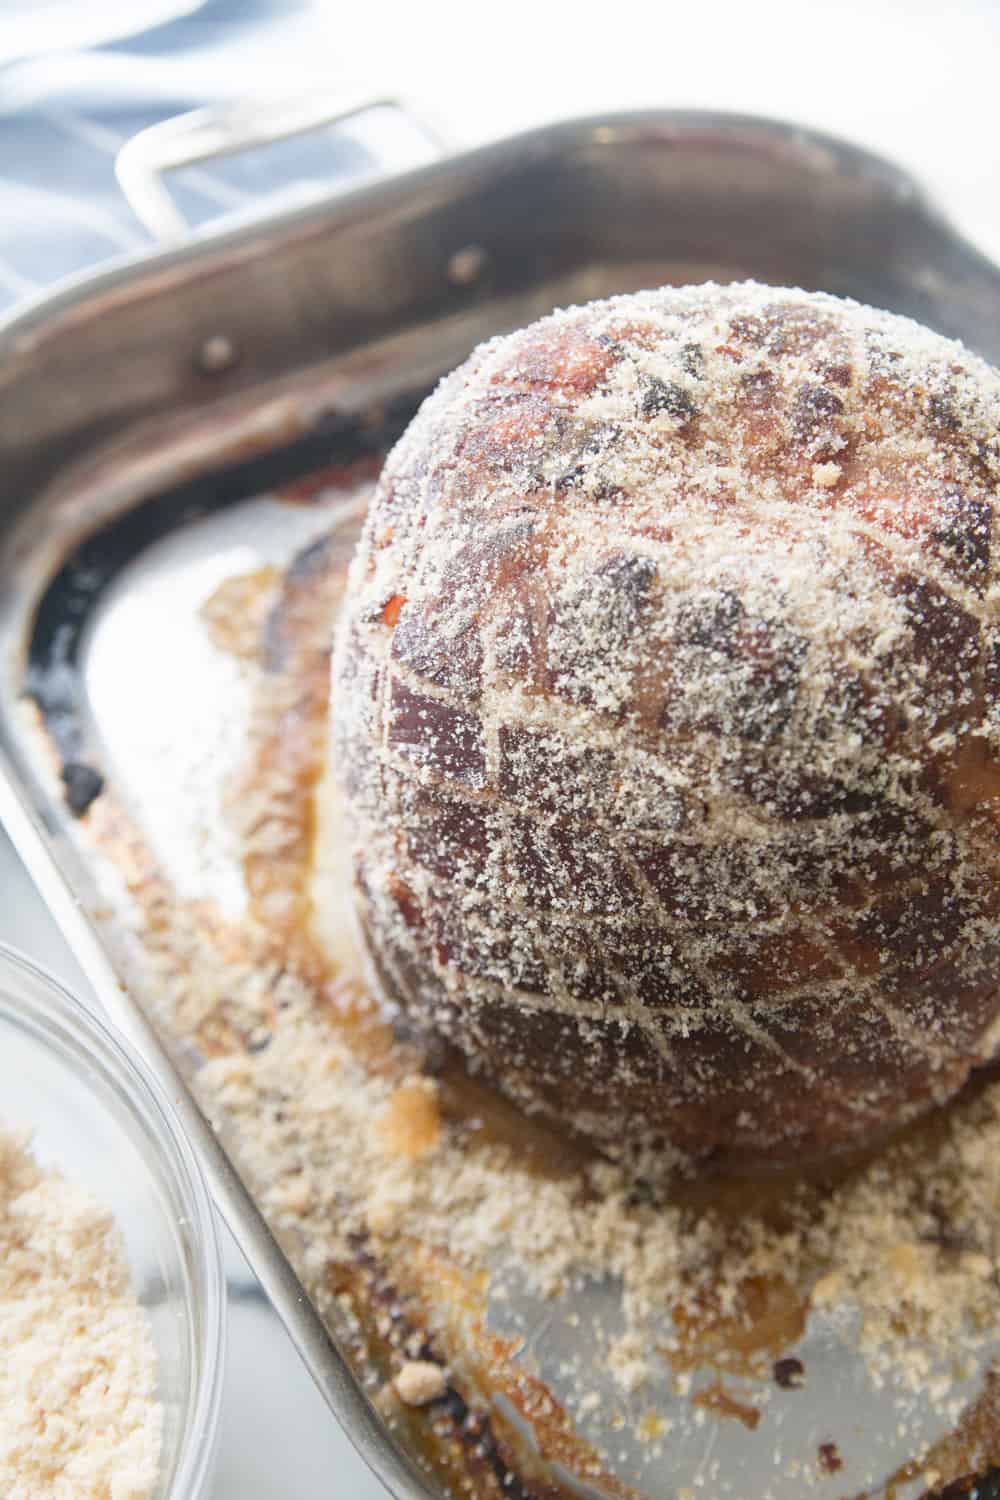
{"type": "Point", "coordinates": [665, 707]}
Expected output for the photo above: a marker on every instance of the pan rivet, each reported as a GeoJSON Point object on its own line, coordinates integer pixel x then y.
{"type": "Point", "coordinates": [216, 354]}
{"type": "Point", "coordinates": [467, 265]}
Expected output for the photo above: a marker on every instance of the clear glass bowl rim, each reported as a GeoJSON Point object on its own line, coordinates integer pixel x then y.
{"type": "Point", "coordinates": [51, 1013]}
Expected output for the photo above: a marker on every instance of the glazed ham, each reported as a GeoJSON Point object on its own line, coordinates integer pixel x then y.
{"type": "Point", "coordinates": [666, 713]}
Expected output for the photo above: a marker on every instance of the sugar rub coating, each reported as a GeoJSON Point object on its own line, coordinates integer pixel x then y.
{"type": "Point", "coordinates": [666, 710]}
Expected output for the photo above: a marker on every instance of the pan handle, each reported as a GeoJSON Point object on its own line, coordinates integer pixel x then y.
{"type": "Point", "coordinates": [204, 135]}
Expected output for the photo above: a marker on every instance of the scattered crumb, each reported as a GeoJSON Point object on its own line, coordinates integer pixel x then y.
{"type": "Point", "coordinates": [829, 1288]}
{"type": "Point", "coordinates": [420, 1382]}
{"type": "Point", "coordinates": [825, 475]}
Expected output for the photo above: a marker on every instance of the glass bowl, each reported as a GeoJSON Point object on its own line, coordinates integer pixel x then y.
{"type": "Point", "coordinates": [96, 1114]}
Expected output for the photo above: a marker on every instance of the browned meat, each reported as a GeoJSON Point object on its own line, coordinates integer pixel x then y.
{"type": "Point", "coordinates": [667, 705]}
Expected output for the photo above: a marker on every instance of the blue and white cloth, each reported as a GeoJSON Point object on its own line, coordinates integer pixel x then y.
{"type": "Point", "coordinates": [64, 114]}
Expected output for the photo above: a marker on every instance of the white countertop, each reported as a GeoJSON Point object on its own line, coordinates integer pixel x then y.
{"type": "Point", "coordinates": [913, 79]}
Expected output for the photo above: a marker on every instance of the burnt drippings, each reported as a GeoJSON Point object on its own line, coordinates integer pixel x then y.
{"type": "Point", "coordinates": [473, 1429]}
{"type": "Point", "coordinates": [789, 1373]}
{"type": "Point", "coordinates": [969, 1487]}
{"type": "Point", "coordinates": [342, 444]}
{"type": "Point", "coordinates": [83, 786]}
{"type": "Point", "coordinates": [829, 1458]}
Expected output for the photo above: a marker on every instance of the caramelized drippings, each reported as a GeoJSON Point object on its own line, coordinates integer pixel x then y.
{"type": "Point", "coordinates": [411, 1124]}
{"type": "Point", "coordinates": [769, 1317]}
{"type": "Point", "coordinates": [357, 1016]}
{"type": "Point", "coordinates": [235, 613]}
{"type": "Point", "coordinates": [290, 741]}
{"type": "Point", "coordinates": [330, 481]}
{"type": "Point", "coordinates": [717, 1399]}
{"type": "Point", "coordinates": [487, 1118]}
{"type": "Point", "coordinates": [970, 1451]}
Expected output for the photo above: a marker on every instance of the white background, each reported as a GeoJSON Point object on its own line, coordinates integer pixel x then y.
{"type": "Point", "coordinates": [917, 81]}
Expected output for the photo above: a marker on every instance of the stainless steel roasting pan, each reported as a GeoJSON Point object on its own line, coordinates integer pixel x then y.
{"type": "Point", "coordinates": [174, 385]}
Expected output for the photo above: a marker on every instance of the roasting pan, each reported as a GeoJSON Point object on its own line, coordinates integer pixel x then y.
{"type": "Point", "coordinates": [182, 386]}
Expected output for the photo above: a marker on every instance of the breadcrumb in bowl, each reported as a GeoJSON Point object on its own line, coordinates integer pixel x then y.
{"type": "Point", "coordinates": [111, 1284]}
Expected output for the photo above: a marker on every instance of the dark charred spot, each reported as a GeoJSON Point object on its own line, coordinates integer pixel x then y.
{"type": "Point", "coordinates": [703, 886]}
{"type": "Point", "coordinates": [627, 580]}
{"type": "Point", "coordinates": [652, 971]}
{"type": "Point", "coordinates": [83, 786]}
{"type": "Point", "coordinates": [966, 533]}
{"type": "Point", "coordinates": [814, 411]}
{"type": "Point", "coordinates": [693, 360]}
{"type": "Point", "coordinates": [941, 411]}
{"type": "Point", "coordinates": [567, 480]}
{"type": "Point", "coordinates": [758, 386]}
{"type": "Point", "coordinates": [992, 673]}
{"type": "Point", "coordinates": [497, 556]}
{"type": "Point", "coordinates": [491, 948]}
{"type": "Point", "coordinates": [587, 976]}
{"type": "Point", "coordinates": [436, 735]}
{"type": "Point", "coordinates": [452, 839]}
{"type": "Point", "coordinates": [581, 659]}
{"type": "Point", "coordinates": [757, 681]}
{"type": "Point", "coordinates": [838, 375]}
{"type": "Point", "coordinates": [449, 661]}
{"type": "Point", "coordinates": [666, 396]}
{"type": "Point", "coordinates": [789, 1373]}
{"type": "Point", "coordinates": [913, 930]}
{"type": "Point", "coordinates": [983, 1486]}
{"type": "Point", "coordinates": [551, 773]}
{"type": "Point", "coordinates": [944, 633]}
{"type": "Point", "coordinates": [790, 793]}
{"type": "Point", "coordinates": [829, 1459]}
{"type": "Point", "coordinates": [583, 445]}
{"type": "Point", "coordinates": [868, 706]}
{"type": "Point", "coordinates": [713, 623]}
{"type": "Point", "coordinates": [568, 866]}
